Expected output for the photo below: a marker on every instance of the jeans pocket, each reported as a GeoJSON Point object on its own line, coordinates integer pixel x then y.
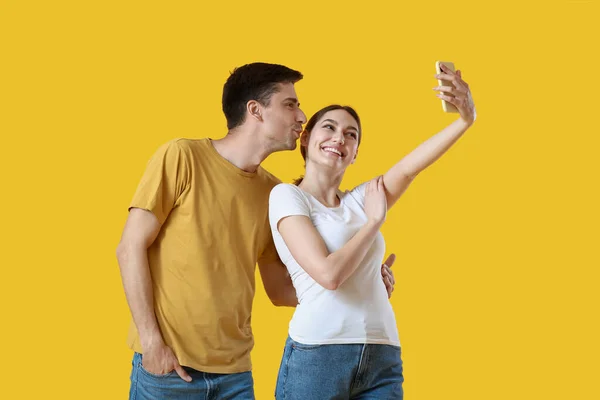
{"type": "Point", "coordinates": [151, 375]}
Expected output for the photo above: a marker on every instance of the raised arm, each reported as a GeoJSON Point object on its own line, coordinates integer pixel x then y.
{"type": "Point", "coordinates": [401, 175]}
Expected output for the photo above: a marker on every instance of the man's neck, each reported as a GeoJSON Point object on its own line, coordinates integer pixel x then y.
{"type": "Point", "coordinates": [241, 149]}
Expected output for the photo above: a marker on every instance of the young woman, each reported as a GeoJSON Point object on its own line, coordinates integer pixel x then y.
{"type": "Point", "coordinates": [343, 342]}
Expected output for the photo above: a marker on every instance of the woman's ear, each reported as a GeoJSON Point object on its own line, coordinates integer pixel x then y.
{"type": "Point", "coordinates": [304, 138]}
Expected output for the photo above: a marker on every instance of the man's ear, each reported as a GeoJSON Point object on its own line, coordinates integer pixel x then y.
{"type": "Point", "coordinates": [254, 109]}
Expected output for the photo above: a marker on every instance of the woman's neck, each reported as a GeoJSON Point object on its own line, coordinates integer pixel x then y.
{"type": "Point", "coordinates": [322, 184]}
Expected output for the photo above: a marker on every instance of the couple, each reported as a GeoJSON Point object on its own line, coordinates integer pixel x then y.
{"type": "Point", "coordinates": [205, 213]}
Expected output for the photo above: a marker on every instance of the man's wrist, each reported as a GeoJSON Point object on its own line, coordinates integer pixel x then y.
{"type": "Point", "coordinates": [151, 340]}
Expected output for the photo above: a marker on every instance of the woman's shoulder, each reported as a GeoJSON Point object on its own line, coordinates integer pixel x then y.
{"type": "Point", "coordinates": [285, 187]}
{"type": "Point", "coordinates": [285, 191]}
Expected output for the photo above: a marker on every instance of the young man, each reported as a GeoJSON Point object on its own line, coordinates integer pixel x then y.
{"type": "Point", "coordinates": [197, 226]}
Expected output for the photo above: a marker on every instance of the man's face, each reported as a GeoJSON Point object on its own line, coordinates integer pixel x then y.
{"type": "Point", "coordinates": [283, 118]}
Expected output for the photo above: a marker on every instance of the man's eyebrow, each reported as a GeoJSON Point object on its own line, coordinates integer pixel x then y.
{"type": "Point", "coordinates": [292, 99]}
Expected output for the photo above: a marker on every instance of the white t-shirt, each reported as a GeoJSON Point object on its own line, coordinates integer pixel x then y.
{"type": "Point", "coordinates": [359, 310]}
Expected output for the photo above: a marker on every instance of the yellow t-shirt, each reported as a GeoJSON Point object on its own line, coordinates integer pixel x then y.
{"type": "Point", "coordinates": [215, 228]}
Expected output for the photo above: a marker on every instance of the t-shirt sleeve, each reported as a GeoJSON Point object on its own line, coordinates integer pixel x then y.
{"type": "Point", "coordinates": [358, 193]}
{"type": "Point", "coordinates": [286, 200]}
{"type": "Point", "coordinates": [165, 180]}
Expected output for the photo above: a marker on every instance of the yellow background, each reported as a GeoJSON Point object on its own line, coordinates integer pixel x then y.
{"type": "Point", "coordinates": [497, 266]}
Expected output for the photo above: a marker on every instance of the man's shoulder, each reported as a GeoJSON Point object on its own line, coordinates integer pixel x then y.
{"type": "Point", "coordinates": [188, 143]}
{"type": "Point", "coordinates": [182, 144]}
{"type": "Point", "coordinates": [185, 148]}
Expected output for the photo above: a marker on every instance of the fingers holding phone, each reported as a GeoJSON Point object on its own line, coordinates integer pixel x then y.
{"type": "Point", "coordinates": [455, 93]}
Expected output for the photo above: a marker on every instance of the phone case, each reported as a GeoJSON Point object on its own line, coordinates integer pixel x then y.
{"type": "Point", "coordinates": [447, 107]}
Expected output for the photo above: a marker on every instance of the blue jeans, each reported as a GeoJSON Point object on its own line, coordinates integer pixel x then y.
{"type": "Point", "coordinates": [339, 371]}
{"type": "Point", "coordinates": [204, 386]}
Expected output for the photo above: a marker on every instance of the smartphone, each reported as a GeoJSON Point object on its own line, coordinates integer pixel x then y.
{"type": "Point", "coordinates": [448, 107]}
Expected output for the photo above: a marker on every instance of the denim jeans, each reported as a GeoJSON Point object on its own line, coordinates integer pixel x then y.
{"type": "Point", "coordinates": [204, 386]}
{"type": "Point", "coordinates": [340, 371]}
